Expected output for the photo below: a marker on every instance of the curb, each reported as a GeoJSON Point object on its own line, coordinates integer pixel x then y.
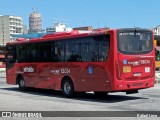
{"type": "Point", "coordinates": [157, 77]}
{"type": "Point", "coordinates": [2, 74]}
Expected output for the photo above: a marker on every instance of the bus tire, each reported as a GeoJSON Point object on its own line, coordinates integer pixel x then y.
{"type": "Point", "coordinates": [67, 88]}
{"type": "Point", "coordinates": [21, 84]}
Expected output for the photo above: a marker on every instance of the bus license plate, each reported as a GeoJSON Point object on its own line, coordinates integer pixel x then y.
{"type": "Point", "coordinates": [137, 74]}
{"type": "Point", "coordinates": [137, 84]}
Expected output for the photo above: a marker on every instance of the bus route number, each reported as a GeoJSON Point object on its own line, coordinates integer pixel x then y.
{"type": "Point", "coordinates": [65, 70]}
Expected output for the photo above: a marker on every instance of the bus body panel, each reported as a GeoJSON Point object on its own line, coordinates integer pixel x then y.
{"type": "Point", "coordinates": [11, 76]}
{"type": "Point", "coordinates": [50, 75]}
{"type": "Point", "coordinates": [118, 73]}
{"type": "Point", "coordinates": [134, 71]}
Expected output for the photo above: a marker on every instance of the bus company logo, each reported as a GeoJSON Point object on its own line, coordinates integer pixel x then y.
{"type": "Point", "coordinates": [55, 72]}
{"type": "Point", "coordinates": [28, 69]}
{"type": "Point", "coordinates": [134, 63]}
{"type": "Point", "coordinates": [125, 61]}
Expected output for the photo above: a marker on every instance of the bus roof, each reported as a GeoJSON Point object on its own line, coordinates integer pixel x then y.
{"type": "Point", "coordinates": [72, 34]}
{"type": "Point", "coordinates": [61, 35]}
{"type": "Point", "coordinates": [130, 29]}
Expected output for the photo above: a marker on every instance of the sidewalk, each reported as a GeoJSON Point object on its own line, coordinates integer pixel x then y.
{"type": "Point", "coordinates": [156, 86]}
{"type": "Point", "coordinates": [2, 74]}
{"type": "Point", "coordinates": [157, 76]}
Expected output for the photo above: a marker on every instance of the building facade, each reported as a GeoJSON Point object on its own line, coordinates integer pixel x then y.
{"type": "Point", "coordinates": [35, 22]}
{"type": "Point", "coordinates": [58, 27]}
{"type": "Point", "coordinates": [156, 30]}
{"type": "Point", "coordinates": [88, 28]}
{"type": "Point", "coordinates": [10, 25]}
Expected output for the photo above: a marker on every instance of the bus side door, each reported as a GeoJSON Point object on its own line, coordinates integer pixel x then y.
{"type": "Point", "coordinates": [44, 65]}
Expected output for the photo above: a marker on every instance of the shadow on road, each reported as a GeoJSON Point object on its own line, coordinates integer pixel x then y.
{"type": "Point", "coordinates": [110, 98]}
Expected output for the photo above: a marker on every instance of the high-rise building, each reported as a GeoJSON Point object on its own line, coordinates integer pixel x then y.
{"type": "Point", "coordinates": [10, 25]}
{"type": "Point", "coordinates": [35, 22]}
{"type": "Point", "coordinates": [25, 29]}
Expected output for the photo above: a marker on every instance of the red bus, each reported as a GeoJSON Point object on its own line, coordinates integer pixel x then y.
{"type": "Point", "coordinates": [101, 61]}
{"type": "Point", "coordinates": [2, 58]}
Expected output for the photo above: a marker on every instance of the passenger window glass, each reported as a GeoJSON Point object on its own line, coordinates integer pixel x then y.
{"type": "Point", "coordinates": [86, 49]}
{"type": "Point", "coordinates": [57, 51]}
{"type": "Point", "coordinates": [44, 52]}
{"type": "Point", "coordinates": [32, 53]}
{"type": "Point", "coordinates": [22, 53]}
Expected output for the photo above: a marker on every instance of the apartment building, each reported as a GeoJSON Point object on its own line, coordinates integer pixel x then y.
{"type": "Point", "coordinates": [10, 25]}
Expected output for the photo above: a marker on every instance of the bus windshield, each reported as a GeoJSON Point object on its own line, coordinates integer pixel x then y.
{"type": "Point", "coordinates": [135, 42]}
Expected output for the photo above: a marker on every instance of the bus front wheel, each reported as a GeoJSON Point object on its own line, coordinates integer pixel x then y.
{"type": "Point", "coordinates": [21, 83]}
{"type": "Point", "coordinates": [68, 88]}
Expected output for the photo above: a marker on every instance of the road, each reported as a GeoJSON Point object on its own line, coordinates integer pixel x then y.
{"type": "Point", "coordinates": [12, 99]}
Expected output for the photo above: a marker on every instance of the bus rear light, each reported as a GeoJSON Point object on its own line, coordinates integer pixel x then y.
{"type": "Point", "coordinates": [118, 71]}
{"type": "Point", "coordinates": [153, 67]}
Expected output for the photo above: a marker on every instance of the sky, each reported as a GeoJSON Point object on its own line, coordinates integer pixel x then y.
{"type": "Point", "coordinates": [96, 13]}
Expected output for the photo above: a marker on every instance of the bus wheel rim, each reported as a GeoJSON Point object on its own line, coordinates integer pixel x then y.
{"type": "Point", "coordinates": [21, 83]}
{"type": "Point", "coordinates": [67, 88]}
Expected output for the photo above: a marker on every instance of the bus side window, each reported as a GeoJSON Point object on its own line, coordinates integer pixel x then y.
{"type": "Point", "coordinates": [10, 56]}
{"type": "Point", "coordinates": [57, 51]}
{"type": "Point", "coordinates": [56, 54]}
{"type": "Point", "coordinates": [44, 52]}
{"type": "Point", "coordinates": [104, 48]}
{"type": "Point", "coordinates": [32, 53]}
{"type": "Point", "coordinates": [22, 53]}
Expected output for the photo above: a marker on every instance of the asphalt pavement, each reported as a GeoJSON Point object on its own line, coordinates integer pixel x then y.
{"type": "Point", "coordinates": [32, 100]}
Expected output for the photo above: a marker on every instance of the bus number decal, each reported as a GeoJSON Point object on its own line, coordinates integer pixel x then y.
{"type": "Point", "coordinates": [61, 71]}
{"type": "Point", "coordinates": [65, 70]}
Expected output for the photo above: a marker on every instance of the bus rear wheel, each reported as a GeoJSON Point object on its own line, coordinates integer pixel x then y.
{"type": "Point", "coordinates": [21, 83]}
{"type": "Point", "coordinates": [68, 88]}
